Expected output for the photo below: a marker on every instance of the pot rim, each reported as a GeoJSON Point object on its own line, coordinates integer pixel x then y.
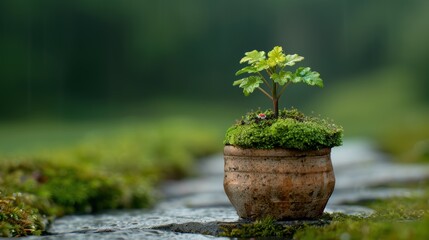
{"type": "Point", "coordinates": [231, 150]}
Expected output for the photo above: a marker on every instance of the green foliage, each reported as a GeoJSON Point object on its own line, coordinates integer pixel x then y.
{"type": "Point", "coordinates": [291, 130]}
{"type": "Point", "coordinates": [249, 84]}
{"type": "Point", "coordinates": [273, 66]}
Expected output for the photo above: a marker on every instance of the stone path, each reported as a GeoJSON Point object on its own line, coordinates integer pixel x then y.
{"type": "Point", "coordinates": [200, 205]}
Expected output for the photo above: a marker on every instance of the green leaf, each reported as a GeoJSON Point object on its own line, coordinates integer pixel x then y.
{"type": "Point", "coordinates": [261, 65]}
{"type": "Point", "coordinates": [311, 78]}
{"type": "Point", "coordinates": [253, 56]}
{"type": "Point", "coordinates": [248, 84]}
{"type": "Point", "coordinates": [302, 71]}
{"type": "Point", "coordinates": [276, 56]}
{"type": "Point", "coordinates": [248, 69]}
{"type": "Point", "coordinates": [292, 59]}
{"type": "Point", "coordinates": [299, 74]}
{"type": "Point", "coordinates": [238, 82]}
{"type": "Point", "coordinates": [282, 77]}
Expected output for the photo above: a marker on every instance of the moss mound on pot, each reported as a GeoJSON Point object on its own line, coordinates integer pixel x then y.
{"type": "Point", "coordinates": [291, 130]}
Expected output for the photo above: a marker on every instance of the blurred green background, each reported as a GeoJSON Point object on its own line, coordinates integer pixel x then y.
{"type": "Point", "coordinates": [69, 68]}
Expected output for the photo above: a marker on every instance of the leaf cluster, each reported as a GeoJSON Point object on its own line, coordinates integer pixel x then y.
{"type": "Point", "coordinates": [291, 130]}
{"type": "Point", "coordinates": [273, 65]}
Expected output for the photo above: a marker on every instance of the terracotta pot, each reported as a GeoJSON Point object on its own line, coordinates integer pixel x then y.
{"type": "Point", "coordinates": [284, 184]}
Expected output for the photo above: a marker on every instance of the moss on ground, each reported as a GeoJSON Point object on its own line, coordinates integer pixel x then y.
{"type": "Point", "coordinates": [292, 130]}
{"type": "Point", "coordinates": [266, 227]}
{"type": "Point", "coordinates": [21, 215]}
{"type": "Point", "coordinates": [100, 173]}
{"type": "Point", "coordinates": [400, 218]}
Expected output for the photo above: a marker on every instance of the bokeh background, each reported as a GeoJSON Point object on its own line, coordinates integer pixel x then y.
{"type": "Point", "coordinates": [72, 67]}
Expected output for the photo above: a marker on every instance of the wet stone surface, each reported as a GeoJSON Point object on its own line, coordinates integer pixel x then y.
{"type": "Point", "coordinates": [196, 207]}
{"type": "Point", "coordinates": [139, 224]}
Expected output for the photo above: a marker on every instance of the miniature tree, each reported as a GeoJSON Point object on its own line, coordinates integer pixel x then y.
{"type": "Point", "coordinates": [278, 79]}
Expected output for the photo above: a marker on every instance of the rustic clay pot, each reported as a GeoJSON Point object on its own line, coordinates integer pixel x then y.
{"type": "Point", "coordinates": [284, 184]}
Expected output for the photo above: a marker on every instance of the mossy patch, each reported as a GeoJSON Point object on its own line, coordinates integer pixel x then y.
{"type": "Point", "coordinates": [397, 218]}
{"type": "Point", "coordinates": [291, 130]}
{"type": "Point", "coordinates": [20, 215]}
{"type": "Point", "coordinates": [352, 228]}
{"type": "Point", "coordinates": [268, 227]}
{"type": "Point", "coordinates": [100, 173]}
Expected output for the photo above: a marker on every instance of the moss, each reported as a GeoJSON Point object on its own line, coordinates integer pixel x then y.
{"type": "Point", "coordinates": [367, 229]}
{"type": "Point", "coordinates": [20, 215]}
{"type": "Point", "coordinates": [72, 188]}
{"type": "Point", "coordinates": [397, 218]}
{"type": "Point", "coordinates": [266, 227]}
{"type": "Point", "coordinates": [53, 189]}
{"type": "Point", "coordinates": [102, 172]}
{"type": "Point", "coordinates": [292, 130]}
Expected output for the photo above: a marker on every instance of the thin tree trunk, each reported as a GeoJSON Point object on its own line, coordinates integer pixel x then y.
{"type": "Point", "coordinates": [276, 107]}
{"type": "Point", "coordinates": [275, 101]}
